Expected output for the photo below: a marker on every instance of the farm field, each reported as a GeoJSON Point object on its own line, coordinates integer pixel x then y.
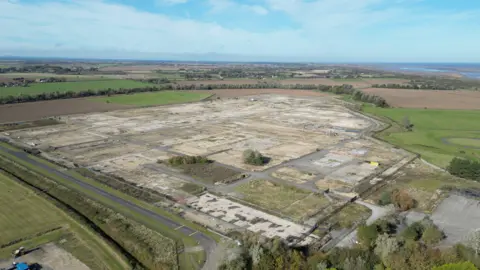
{"type": "Point", "coordinates": [39, 88]}
{"type": "Point", "coordinates": [31, 220]}
{"type": "Point", "coordinates": [430, 99]}
{"type": "Point", "coordinates": [68, 77]}
{"type": "Point", "coordinates": [432, 132]}
{"type": "Point", "coordinates": [153, 98]}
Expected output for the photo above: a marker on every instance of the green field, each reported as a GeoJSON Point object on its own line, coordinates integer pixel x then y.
{"type": "Point", "coordinates": [39, 88]}
{"type": "Point", "coordinates": [432, 132]}
{"type": "Point", "coordinates": [26, 217]}
{"type": "Point", "coordinates": [153, 98]}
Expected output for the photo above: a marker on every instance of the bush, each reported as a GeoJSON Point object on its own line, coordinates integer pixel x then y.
{"type": "Point", "coordinates": [402, 200]}
{"type": "Point", "coordinates": [253, 157]}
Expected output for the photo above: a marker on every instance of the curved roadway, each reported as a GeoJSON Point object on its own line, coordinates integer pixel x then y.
{"type": "Point", "coordinates": [204, 240]}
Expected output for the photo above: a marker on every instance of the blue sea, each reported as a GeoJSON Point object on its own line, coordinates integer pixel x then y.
{"type": "Point", "coordinates": [439, 68]}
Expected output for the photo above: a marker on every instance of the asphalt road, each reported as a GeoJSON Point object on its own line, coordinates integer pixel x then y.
{"type": "Point", "coordinates": [205, 241]}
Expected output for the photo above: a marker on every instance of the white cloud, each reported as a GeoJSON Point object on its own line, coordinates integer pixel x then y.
{"type": "Point", "coordinates": [325, 30]}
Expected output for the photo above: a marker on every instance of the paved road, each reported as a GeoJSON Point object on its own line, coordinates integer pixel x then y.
{"type": "Point", "coordinates": [205, 241]}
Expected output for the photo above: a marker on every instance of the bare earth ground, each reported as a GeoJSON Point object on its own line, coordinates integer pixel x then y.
{"type": "Point", "coordinates": [49, 257]}
{"type": "Point", "coordinates": [36, 110]}
{"type": "Point", "coordinates": [249, 92]}
{"type": "Point", "coordinates": [431, 99]}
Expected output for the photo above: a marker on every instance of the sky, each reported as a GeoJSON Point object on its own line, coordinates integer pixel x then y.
{"type": "Point", "coordinates": [244, 30]}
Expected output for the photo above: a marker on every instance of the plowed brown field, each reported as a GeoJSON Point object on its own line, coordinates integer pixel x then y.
{"type": "Point", "coordinates": [37, 110]}
{"type": "Point", "coordinates": [431, 99]}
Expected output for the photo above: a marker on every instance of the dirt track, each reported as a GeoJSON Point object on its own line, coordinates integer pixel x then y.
{"type": "Point", "coordinates": [41, 109]}
{"type": "Point", "coordinates": [431, 99]}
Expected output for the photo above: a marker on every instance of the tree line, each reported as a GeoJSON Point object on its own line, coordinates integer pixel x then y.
{"type": "Point", "coordinates": [337, 89]}
{"type": "Point", "coordinates": [416, 86]}
{"type": "Point", "coordinates": [387, 244]}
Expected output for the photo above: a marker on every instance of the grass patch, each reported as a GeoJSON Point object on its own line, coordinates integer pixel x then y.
{"type": "Point", "coordinates": [350, 214]}
{"type": "Point", "coordinates": [27, 219]}
{"type": "Point", "coordinates": [39, 88]}
{"type": "Point", "coordinates": [289, 201]}
{"type": "Point", "coordinates": [153, 98]}
{"type": "Point", "coordinates": [431, 129]}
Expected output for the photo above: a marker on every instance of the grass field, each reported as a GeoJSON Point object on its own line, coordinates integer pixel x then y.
{"type": "Point", "coordinates": [153, 98]}
{"type": "Point", "coordinates": [431, 132]}
{"type": "Point", "coordinates": [289, 201]}
{"type": "Point", "coordinates": [27, 217]}
{"type": "Point", "coordinates": [39, 88]}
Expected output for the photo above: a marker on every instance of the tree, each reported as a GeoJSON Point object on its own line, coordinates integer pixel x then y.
{"type": "Point", "coordinates": [456, 266]}
{"type": "Point", "coordinates": [432, 235]}
{"type": "Point", "coordinates": [413, 232]}
{"type": "Point", "coordinates": [402, 200]}
{"type": "Point", "coordinates": [367, 235]}
{"type": "Point", "coordinates": [385, 245]}
{"type": "Point", "coordinates": [253, 157]}
{"type": "Point", "coordinates": [407, 124]}
{"type": "Point", "coordinates": [473, 241]}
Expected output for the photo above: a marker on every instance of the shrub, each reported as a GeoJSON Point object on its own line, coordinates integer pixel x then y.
{"type": "Point", "coordinates": [253, 157]}
{"type": "Point", "coordinates": [385, 198]}
{"type": "Point", "coordinates": [184, 160]}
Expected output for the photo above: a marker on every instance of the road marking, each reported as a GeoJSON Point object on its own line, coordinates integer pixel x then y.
{"type": "Point", "coordinates": [193, 233]}
{"type": "Point", "coordinates": [179, 227]}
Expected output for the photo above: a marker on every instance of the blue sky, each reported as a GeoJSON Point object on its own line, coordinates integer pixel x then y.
{"type": "Point", "coordinates": [263, 30]}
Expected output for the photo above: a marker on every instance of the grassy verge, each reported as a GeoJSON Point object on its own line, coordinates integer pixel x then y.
{"type": "Point", "coordinates": [431, 131]}
{"type": "Point", "coordinates": [28, 220]}
{"type": "Point", "coordinates": [153, 98]}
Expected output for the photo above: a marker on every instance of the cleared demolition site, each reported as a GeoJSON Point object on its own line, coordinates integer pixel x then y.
{"type": "Point", "coordinates": [318, 156]}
